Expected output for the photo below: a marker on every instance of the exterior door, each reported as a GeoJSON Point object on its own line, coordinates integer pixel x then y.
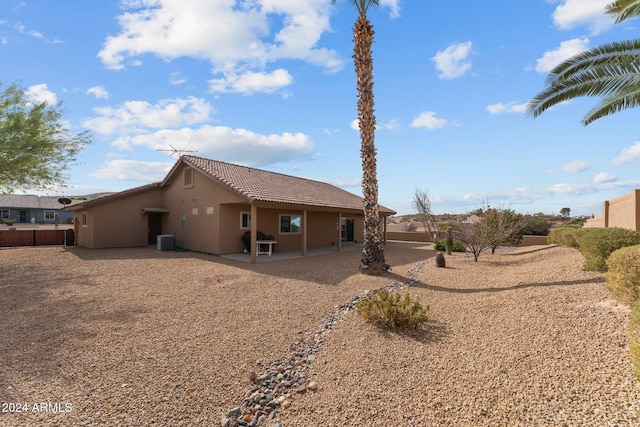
{"type": "Point", "coordinates": [155, 227]}
{"type": "Point", "coordinates": [22, 216]}
{"type": "Point", "coordinates": [347, 229]}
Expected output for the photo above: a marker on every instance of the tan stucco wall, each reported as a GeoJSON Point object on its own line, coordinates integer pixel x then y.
{"type": "Point", "coordinates": [622, 212]}
{"type": "Point", "coordinates": [119, 223]}
{"type": "Point", "coordinates": [594, 223]}
{"type": "Point", "coordinates": [201, 230]}
{"type": "Point", "coordinates": [408, 236]}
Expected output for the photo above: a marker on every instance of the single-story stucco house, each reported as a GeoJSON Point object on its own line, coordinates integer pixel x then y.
{"type": "Point", "coordinates": [29, 208]}
{"type": "Point", "coordinates": [209, 206]}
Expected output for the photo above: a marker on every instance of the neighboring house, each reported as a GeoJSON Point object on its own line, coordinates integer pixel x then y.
{"type": "Point", "coordinates": [209, 206]}
{"type": "Point", "coordinates": [26, 208]}
{"type": "Point", "coordinates": [622, 212]}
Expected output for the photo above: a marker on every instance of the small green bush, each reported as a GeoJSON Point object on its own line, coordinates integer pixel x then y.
{"type": "Point", "coordinates": [392, 311]}
{"type": "Point", "coordinates": [536, 226]}
{"type": "Point", "coordinates": [634, 337]}
{"type": "Point", "coordinates": [598, 243]}
{"type": "Point", "coordinates": [9, 222]}
{"type": "Point", "coordinates": [458, 246]}
{"type": "Point", "coordinates": [566, 236]}
{"type": "Point", "coordinates": [623, 277]}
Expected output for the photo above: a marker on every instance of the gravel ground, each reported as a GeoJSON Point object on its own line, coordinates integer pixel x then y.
{"type": "Point", "coordinates": [140, 337]}
{"type": "Point", "coordinates": [523, 338]}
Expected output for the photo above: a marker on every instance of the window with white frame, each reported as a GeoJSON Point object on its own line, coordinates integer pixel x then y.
{"type": "Point", "coordinates": [49, 215]}
{"type": "Point", "coordinates": [4, 213]}
{"type": "Point", "coordinates": [183, 220]}
{"type": "Point", "coordinates": [245, 219]}
{"type": "Point", "coordinates": [85, 219]}
{"type": "Point", "coordinates": [290, 224]}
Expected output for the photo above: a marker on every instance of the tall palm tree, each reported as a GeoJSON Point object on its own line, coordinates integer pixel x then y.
{"type": "Point", "coordinates": [611, 71]}
{"type": "Point", "coordinates": [372, 260]}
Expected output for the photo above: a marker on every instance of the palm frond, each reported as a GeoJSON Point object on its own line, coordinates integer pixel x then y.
{"type": "Point", "coordinates": [615, 52]}
{"type": "Point", "coordinates": [613, 104]}
{"type": "Point", "coordinates": [624, 9]}
{"type": "Point", "coordinates": [602, 81]}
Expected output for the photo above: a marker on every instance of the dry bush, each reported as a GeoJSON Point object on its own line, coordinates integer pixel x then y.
{"type": "Point", "coordinates": [623, 276]}
{"type": "Point", "coordinates": [634, 337]}
{"type": "Point", "coordinates": [598, 243]}
{"type": "Point", "coordinates": [392, 310]}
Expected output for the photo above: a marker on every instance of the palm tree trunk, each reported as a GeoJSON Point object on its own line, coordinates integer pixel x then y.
{"type": "Point", "coordinates": [372, 261]}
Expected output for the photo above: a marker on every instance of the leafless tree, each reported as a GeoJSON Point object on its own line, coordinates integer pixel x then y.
{"type": "Point", "coordinates": [494, 227]}
{"type": "Point", "coordinates": [422, 205]}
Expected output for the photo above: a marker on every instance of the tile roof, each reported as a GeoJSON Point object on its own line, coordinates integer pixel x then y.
{"type": "Point", "coordinates": [113, 196]}
{"type": "Point", "coordinates": [260, 185]}
{"type": "Point", "coordinates": [29, 201]}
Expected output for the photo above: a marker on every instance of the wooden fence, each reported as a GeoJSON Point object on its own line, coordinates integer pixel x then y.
{"type": "Point", "coordinates": [12, 238]}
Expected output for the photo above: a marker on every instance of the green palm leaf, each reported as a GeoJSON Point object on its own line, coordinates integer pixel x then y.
{"type": "Point", "coordinates": [610, 71]}
{"type": "Point", "coordinates": [624, 9]}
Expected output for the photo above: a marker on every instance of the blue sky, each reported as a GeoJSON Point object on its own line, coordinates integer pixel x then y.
{"type": "Point", "coordinates": [270, 84]}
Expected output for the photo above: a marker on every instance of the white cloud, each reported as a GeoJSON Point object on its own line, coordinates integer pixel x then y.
{"type": "Point", "coordinates": [176, 78]}
{"type": "Point", "coordinates": [251, 82]}
{"type": "Point", "coordinates": [237, 39]}
{"type": "Point", "coordinates": [40, 93]}
{"type": "Point", "coordinates": [429, 121]}
{"type": "Point", "coordinates": [576, 166]}
{"type": "Point", "coordinates": [604, 177]}
{"type": "Point", "coordinates": [394, 5]}
{"type": "Point", "coordinates": [591, 13]}
{"type": "Point", "coordinates": [453, 61]}
{"type": "Point", "coordinates": [512, 107]}
{"type": "Point", "coordinates": [139, 116]}
{"type": "Point", "coordinates": [32, 33]}
{"type": "Point", "coordinates": [132, 170]}
{"type": "Point", "coordinates": [628, 155]}
{"type": "Point", "coordinates": [343, 183]}
{"type": "Point", "coordinates": [240, 146]}
{"type": "Point", "coordinates": [566, 50]}
{"type": "Point", "coordinates": [99, 92]}
{"type": "Point", "coordinates": [392, 124]}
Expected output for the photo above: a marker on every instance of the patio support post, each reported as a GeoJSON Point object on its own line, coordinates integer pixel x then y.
{"type": "Point", "coordinates": [384, 233]}
{"type": "Point", "coordinates": [339, 229]}
{"type": "Point", "coordinates": [254, 232]}
{"type": "Point", "coordinates": [304, 232]}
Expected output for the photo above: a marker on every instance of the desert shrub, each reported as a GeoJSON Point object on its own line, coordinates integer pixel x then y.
{"type": "Point", "coordinates": [623, 276]}
{"type": "Point", "coordinates": [634, 337]}
{"type": "Point", "coordinates": [598, 243]}
{"type": "Point", "coordinates": [9, 222]}
{"type": "Point", "coordinates": [553, 238]}
{"type": "Point", "coordinates": [457, 246]}
{"type": "Point", "coordinates": [566, 236]}
{"type": "Point", "coordinates": [536, 226]}
{"type": "Point", "coordinates": [392, 311]}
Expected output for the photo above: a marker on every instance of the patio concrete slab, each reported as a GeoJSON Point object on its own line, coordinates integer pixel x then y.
{"type": "Point", "coordinates": [295, 253]}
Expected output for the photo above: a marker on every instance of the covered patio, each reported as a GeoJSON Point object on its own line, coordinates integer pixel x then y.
{"type": "Point", "coordinates": [295, 253]}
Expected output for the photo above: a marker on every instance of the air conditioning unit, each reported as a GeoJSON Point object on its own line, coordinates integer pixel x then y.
{"type": "Point", "coordinates": [166, 242]}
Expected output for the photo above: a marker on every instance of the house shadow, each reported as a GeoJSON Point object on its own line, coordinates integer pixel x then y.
{"type": "Point", "coordinates": [43, 317]}
{"type": "Point", "coordinates": [313, 268]}
{"type": "Point", "coordinates": [494, 289]}
{"type": "Point", "coordinates": [430, 332]}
